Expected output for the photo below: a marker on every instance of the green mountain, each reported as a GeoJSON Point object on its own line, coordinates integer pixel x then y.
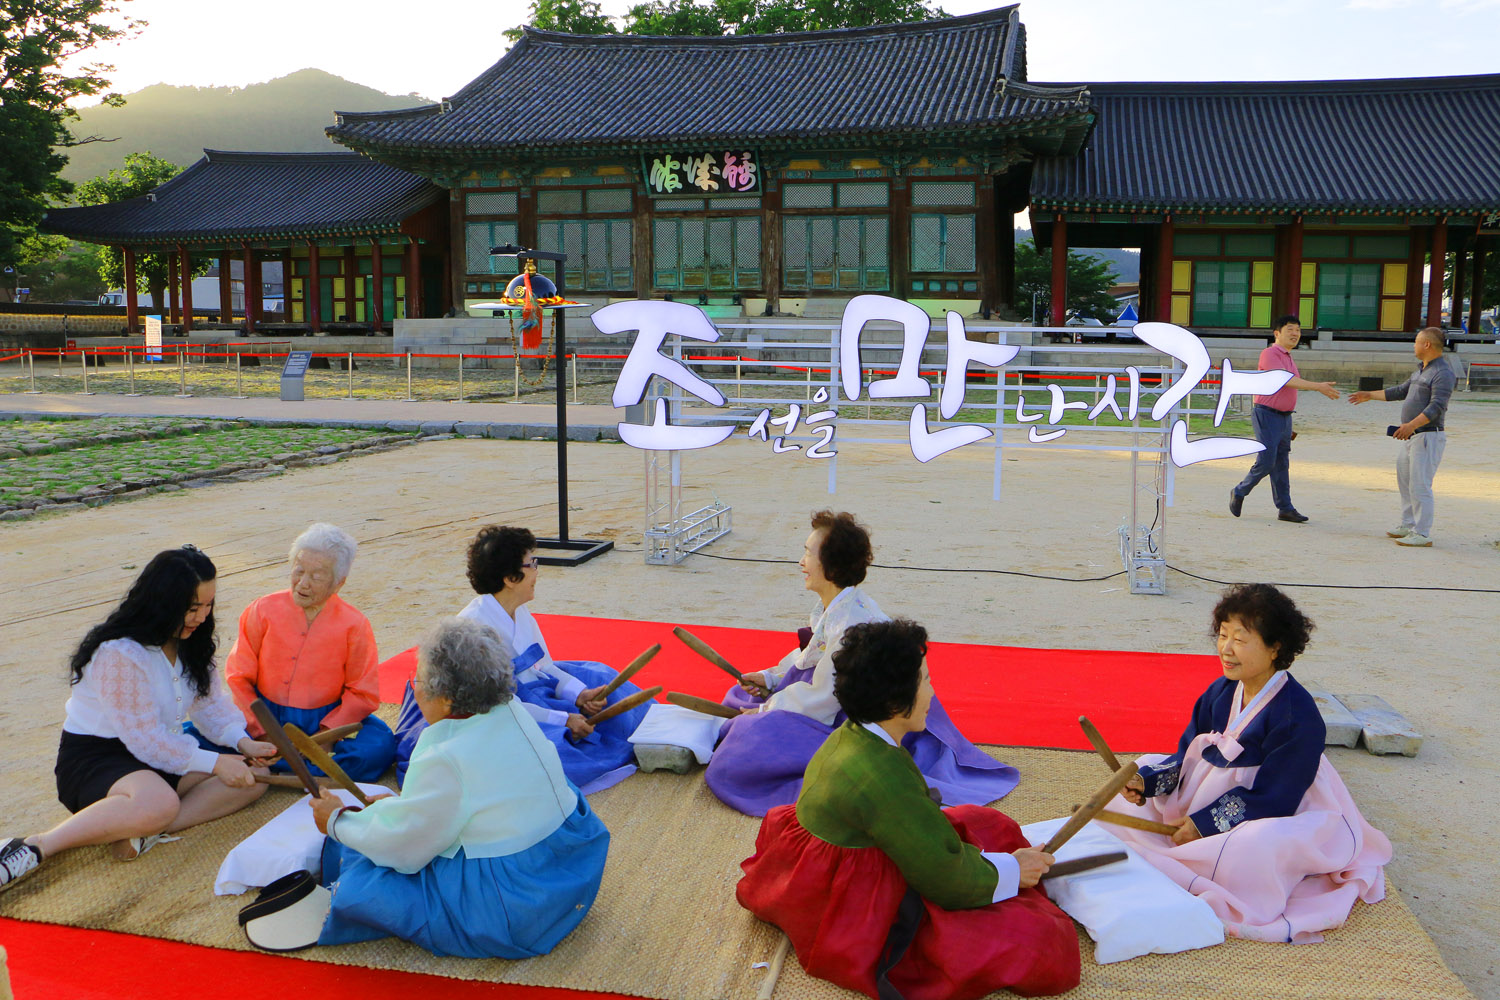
{"type": "Point", "coordinates": [287, 114]}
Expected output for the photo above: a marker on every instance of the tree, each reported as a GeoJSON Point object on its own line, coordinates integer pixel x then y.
{"type": "Point", "coordinates": [578, 17]}
{"type": "Point", "coordinates": [38, 38]}
{"type": "Point", "coordinates": [674, 17]}
{"type": "Point", "coordinates": [141, 174]}
{"type": "Point", "coordinates": [56, 269]}
{"type": "Point", "coordinates": [765, 17]}
{"type": "Point", "coordinates": [1489, 298]}
{"type": "Point", "coordinates": [1089, 280]}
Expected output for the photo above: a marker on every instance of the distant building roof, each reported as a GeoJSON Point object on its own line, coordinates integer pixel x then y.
{"type": "Point", "coordinates": [551, 90]}
{"type": "Point", "coordinates": [1402, 145]}
{"type": "Point", "coordinates": [229, 196]}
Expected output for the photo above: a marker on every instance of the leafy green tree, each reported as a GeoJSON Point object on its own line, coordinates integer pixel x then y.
{"type": "Point", "coordinates": [578, 17]}
{"type": "Point", "coordinates": [40, 44]}
{"type": "Point", "coordinates": [765, 17]}
{"type": "Point", "coordinates": [1089, 281]}
{"type": "Point", "coordinates": [675, 17]}
{"type": "Point", "coordinates": [1489, 298]}
{"type": "Point", "coordinates": [141, 174]}
{"type": "Point", "coordinates": [56, 269]}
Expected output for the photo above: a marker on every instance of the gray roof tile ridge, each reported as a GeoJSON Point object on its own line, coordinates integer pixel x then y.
{"type": "Point", "coordinates": [1370, 85]}
{"type": "Point", "coordinates": [264, 156]}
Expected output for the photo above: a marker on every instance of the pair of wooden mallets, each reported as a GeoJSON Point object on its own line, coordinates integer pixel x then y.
{"type": "Point", "coordinates": [1105, 815]}
{"type": "Point", "coordinates": [710, 654]}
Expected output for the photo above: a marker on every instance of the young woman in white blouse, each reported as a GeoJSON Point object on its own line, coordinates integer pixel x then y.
{"type": "Point", "coordinates": [125, 769]}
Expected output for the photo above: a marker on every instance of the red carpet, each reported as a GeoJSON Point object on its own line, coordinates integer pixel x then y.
{"type": "Point", "coordinates": [1011, 695]}
{"type": "Point", "coordinates": [996, 694]}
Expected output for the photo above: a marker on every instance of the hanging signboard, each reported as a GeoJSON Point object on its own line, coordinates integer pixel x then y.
{"type": "Point", "coordinates": [710, 172]}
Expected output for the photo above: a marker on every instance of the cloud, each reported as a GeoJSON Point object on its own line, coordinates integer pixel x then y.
{"type": "Point", "coordinates": [1382, 4]}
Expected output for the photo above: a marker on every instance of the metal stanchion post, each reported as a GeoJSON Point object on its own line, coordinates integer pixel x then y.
{"type": "Point", "coordinates": [130, 368]}
{"type": "Point", "coordinates": [574, 361]}
{"type": "Point", "coordinates": [350, 369]}
{"type": "Point", "coordinates": [239, 389]}
{"type": "Point", "coordinates": [517, 360]}
{"type": "Point", "coordinates": [739, 387]}
{"type": "Point", "coordinates": [408, 377]}
{"type": "Point", "coordinates": [460, 376]}
{"type": "Point", "coordinates": [31, 366]}
{"type": "Point", "coordinates": [83, 358]}
{"type": "Point", "coordinates": [60, 352]}
{"type": "Point", "coordinates": [182, 392]}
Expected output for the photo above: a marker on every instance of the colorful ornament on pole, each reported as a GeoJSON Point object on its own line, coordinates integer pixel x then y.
{"type": "Point", "coordinates": [531, 293]}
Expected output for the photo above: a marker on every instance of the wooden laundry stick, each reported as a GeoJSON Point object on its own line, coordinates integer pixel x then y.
{"type": "Point", "coordinates": [286, 781]}
{"type": "Point", "coordinates": [283, 744]}
{"type": "Point", "coordinates": [325, 762]}
{"type": "Point", "coordinates": [327, 737]}
{"type": "Point", "coordinates": [1134, 822]}
{"type": "Point", "coordinates": [1083, 864]}
{"type": "Point", "coordinates": [1098, 801]}
{"type": "Point", "coordinates": [706, 651]}
{"type": "Point", "coordinates": [624, 705]}
{"type": "Point", "coordinates": [692, 701]}
{"type": "Point", "coordinates": [630, 671]}
{"type": "Point", "coordinates": [773, 971]}
{"type": "Point", "coordinates": [1101, 747]}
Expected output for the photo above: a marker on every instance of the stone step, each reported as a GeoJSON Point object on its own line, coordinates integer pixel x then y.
{"type": "Point", "coordinates": [1343, 727]}
{"type": "Point", "coordinates": [1385, 730]}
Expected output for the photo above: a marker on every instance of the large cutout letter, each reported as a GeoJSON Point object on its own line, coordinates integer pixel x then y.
{"type": "Point", "coordinates": [656, 320]}
{"type": "Point", "coordinates": [1185, 347]}
{"type": "Point", "coordinates": [908, 383]}
{"type": "Point", "coordinates": [962, 350]}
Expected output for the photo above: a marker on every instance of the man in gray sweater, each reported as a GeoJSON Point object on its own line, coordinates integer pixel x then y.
{"type": "Point", "coordinates": [1421, 433]}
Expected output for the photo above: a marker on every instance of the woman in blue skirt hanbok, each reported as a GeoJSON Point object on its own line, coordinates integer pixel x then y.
{"type": "Point", "coordinates": [560, 697]}
{"type": "Point", "coordinates": [460, 863]}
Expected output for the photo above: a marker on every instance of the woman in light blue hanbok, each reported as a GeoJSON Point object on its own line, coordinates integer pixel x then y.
{"type": "Point", "coordinates": [503, 572]}
{"type": "Point", "coordinates": [463, 862]}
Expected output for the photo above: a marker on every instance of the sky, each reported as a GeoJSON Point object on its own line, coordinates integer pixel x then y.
{"type": "Point", "coordinates": [434, 47]}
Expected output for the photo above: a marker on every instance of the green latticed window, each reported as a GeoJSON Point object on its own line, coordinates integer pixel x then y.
{"type": "Point", "coordinates": [836, 253]}
{"type": "Point", "coordinates": [942, 243]}
{"type": "Point", "coordinates": [479, 238]}
{"type": "Point", "coordinates": [706, 255]}
{"type": "Point", "coordinates": [1349, 296]}
{"type": "Point", "coordinates": [598, 252]}
{"type": "Point", "coordinates": [1221, 293]}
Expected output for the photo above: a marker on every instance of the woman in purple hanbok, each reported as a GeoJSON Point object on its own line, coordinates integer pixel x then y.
{"type": "Point", "coordinates": [789, 710]}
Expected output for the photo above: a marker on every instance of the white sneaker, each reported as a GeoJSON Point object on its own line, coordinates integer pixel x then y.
{"type": "Point", "coordinates": [1399, 531]}
{"type": "Point", "coordinates": [17, 859]}
{"type": "Point", "coordinates": [1414, 539]}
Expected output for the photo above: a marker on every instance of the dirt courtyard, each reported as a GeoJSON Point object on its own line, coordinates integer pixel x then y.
{"type": "Point", "coordinates": [1430, 653]}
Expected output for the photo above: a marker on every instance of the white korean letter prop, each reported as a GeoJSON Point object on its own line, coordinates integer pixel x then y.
{"type": "Point", "coordinates": [927, 445]}
{"type": "Point", "coordinates": [908, 383]}
{"type": "Point", "coordinates": [655, 320]}
{"type": "Point", "coordinates": [962, 350]}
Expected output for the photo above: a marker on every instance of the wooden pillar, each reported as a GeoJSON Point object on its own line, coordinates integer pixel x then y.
{"type": "Point", "coordinates": [458, 251]}
{"type": "Point", "coordinates": [226, 289]}
{"type": "Point", "coordinates": [414, 280]}
{"type": "Point", "coordinates": [1163, 306]}
{"type": "Point", "coordinates": [1005, 259]}
{"type": "Point", "coordinates": [251, 284]}
{"type": "Point", "coordinates": [132, 298]}
{"type": "Point", "coordinates": [1414, 262]}
{"type": "Point", "coordinates": [1438, 253]}
{"type": "Point", "coordinates": [985, 253]}
{"type": "Point", "coordinates": [286, 285]}
{"type": "Point", "coordinates": [900, 260]}
{"type": "Point", "coordinates": [313, 296]}
{"type": "Point", "coordinates": [642, 261]}
{"type": "Point", "coordinates": [349, 274]}
{"type": "Point", "coordinates": [1059, 311]}
{"type": "Point", "coordinates": [526, 230]}
{"type": "Point", "coordinates": [172, 315]}
{"type": "Point", "coordinates": [1476, 295]}
{"type": "Point", "coordinates": [186, 271]}
{"type": "Point", "coordinates": [376, 294]}
{"type": "Point", "coordinates": [1292, 302]}
{"type": "Point", "coordinates": [771, 247]}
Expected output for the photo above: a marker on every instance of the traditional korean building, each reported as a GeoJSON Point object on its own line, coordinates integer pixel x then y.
{"type": "Point", "coordinates": [761, 169]}
{"type": "Point", "coordinates": [1252, 200]}
{"type": "Point", "coordinates": [374, 235]}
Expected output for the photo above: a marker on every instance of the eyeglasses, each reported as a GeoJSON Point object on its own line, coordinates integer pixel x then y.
{"type": "Point", "coordinates": [531, 563]}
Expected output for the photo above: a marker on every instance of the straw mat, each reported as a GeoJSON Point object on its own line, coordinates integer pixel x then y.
{"type": "Point", "coordinates": [666, 924]}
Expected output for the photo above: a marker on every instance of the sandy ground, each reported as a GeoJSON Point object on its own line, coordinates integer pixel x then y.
{"type": "Point", "coordinates": [413, 511]}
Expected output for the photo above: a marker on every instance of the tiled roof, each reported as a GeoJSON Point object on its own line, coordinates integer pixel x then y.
{"type": "Point", "coordinates": [557, 90]}
{"type": "Point", "coordinates": [229, 196]}
{"type": "Point", "coordinates": [1406, 145]}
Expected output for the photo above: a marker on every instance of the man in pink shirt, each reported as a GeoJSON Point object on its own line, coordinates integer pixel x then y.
{"type": "Point", "coordinates": [311, 656]}
{"type": "Point", "coordinates": [1272, 420]}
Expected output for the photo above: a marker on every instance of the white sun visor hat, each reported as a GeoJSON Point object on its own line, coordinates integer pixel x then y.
{"type": "Point", "coordinates": [288, 914]}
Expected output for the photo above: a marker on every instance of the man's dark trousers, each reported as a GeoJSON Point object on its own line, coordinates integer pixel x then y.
{"type": "Point", "coordinates": [1273, 429]}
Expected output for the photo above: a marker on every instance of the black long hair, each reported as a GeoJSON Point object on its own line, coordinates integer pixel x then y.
{"type": "Point", "coordinates": [153, 612]}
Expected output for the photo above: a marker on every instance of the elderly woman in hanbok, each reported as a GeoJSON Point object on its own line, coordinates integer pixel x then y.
{"type": "Point", "coordinates": [126, 771]}
{"type": "Point", "coordinates": [503, 571]}
{"type": "Point", "coordinates": [1267, 834]}
{"type": "Point", "coordinates": [878, 888]}
{"type": "Point", "coordinates": [489, 851]}
{"type": "Point", "coordinates": [310, 656]}
{"type": "Point", "coordinates": [761, 755]}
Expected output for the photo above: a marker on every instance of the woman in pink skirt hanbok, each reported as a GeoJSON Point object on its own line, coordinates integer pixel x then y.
{"type": "Point", "coordinates": [1267, 834]}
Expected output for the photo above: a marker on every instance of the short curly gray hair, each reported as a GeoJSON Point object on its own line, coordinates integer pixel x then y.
{"type": "Point", "coordinates": [467, 663]}
{"type": "Point", "coordinates": [329, 539]}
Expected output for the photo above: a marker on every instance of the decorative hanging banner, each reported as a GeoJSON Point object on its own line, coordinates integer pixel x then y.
{"type": "Point", "coordinates": [654, 321]}
{"type": "Point", "coordinates": [724, 171]}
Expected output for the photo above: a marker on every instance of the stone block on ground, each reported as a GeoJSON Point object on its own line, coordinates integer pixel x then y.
{"type": "Point", "coordinates": [404, 426]}
{"type": "Point", "coordinates": [1385, 730]}
{"type": "Point", "coordinates": [1343, 727]}
{"type": "Point", "coordinates": [430, 427]}
{"type": "Point", "coordinates": [471, 428]}
{"type": "Point", "coordinates": [583, 432]}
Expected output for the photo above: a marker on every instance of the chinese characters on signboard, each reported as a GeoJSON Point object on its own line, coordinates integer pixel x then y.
{"type": "Point", "coordinates": [655, 321]}
{"type": "Point", "coordinates": [731, 171]}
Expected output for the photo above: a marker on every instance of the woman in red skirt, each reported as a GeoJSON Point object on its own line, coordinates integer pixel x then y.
{"type": "Point", "coordinates": [879, 889]}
